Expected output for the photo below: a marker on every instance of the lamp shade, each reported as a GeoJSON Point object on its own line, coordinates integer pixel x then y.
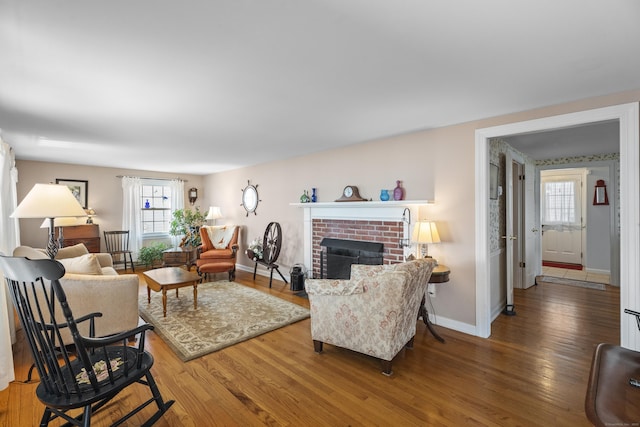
{"type": "Point", "coordinates": [214, 213]}
{"type": "Point", "coordinates": [425, 232]}
{"type": "Point", "coordinates": [48, 201]}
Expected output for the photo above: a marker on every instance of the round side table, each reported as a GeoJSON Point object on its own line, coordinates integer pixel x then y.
{"type": "Point", "coordinates": [440, 274]}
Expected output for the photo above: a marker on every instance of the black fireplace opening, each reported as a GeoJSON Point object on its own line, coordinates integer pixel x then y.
{"type": "Point", "coordinates": [338, 255]}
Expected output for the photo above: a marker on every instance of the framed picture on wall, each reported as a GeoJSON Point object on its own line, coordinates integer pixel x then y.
{"type": "Point", "coordinates": [493, 181]}
{"type": "Point", "coordinates": [78, 188]}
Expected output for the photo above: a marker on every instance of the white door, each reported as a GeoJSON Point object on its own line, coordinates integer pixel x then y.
{"type": "Point", "coordinates": [561, 204]}
{"type": "Point", "coordinates": [530, 228]}
{"type": "Point", "coordinates": [512, 246]}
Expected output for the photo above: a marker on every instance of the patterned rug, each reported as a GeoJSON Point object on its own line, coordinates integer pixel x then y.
{"type": "Point", "coordinates": [571, 282]}
{"type": "Point", "coordinates": [227, 314]}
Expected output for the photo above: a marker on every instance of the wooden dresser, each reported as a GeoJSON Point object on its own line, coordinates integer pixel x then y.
{"type": "Point", "coordinates": [89, 234]}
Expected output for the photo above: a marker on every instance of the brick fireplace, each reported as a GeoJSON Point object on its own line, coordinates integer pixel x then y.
{"type": "Point", "coordinates": [388, 233]}
{"type": "Point", "coordinates": [380, 222]}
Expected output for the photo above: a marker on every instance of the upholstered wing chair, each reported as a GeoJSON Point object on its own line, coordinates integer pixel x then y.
{"type": "Point", "coordinates": [218, 250]}
{"type": "Point", "coordinates": [375, 312]}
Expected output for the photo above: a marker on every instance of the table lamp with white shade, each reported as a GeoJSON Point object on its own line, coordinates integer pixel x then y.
{"type": "Point", "coordinates": [214, 214]}
{"type": "Point", "coordinates": [49, 201]}
{"type": "Point", "coordinates": [425, 232]}
{"type": "Point", "coordinates": [59, 223]}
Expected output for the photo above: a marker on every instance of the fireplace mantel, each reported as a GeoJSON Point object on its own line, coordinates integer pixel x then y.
{"type": "Point", "coordinates": [370, 204]}
{"type": "Point", "coordinates": [357, 211]}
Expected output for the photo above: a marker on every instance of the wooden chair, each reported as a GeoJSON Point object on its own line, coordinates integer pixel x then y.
{"type": "Point", "coordinates": [271, 244]}
{"type": "Point", "coordinates": [117, 244]}
{"type": "Point", "coordinates": [74, 386]}
{"type": "Point", "coordinates": [613, 393]}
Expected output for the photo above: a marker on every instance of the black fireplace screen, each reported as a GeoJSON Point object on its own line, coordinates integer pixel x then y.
{"type": "Point", "coordinates": [338, 255]}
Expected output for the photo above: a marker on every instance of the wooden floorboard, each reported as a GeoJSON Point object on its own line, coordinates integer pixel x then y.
{"type": "Point", "coordinates": [532, 371]}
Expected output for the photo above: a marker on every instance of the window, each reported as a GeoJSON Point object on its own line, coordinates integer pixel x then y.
{"type": "Point", "coordinates": [156, 207]}
{"type": "Point", "coordinates": [559, 202]}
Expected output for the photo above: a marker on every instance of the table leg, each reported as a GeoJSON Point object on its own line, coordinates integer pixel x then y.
{"type": "Point", "coordinates": [195, 295]}
{"type": "Point", "coordinates": [425, 318]}
{"type": "Point", "coordinates": [164, 302]}
{"type": "Point", "coordinates": [148, 295]}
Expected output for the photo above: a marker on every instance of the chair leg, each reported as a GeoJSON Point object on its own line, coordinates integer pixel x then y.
{"type": "Point", "coordinates": [410, 343]}
{"type": "Point", "coordinates": [133, 267]}
{"type": "Point", "coordinates": [386, 367]}
{"type": "Point", "coordinates": [162, 405]}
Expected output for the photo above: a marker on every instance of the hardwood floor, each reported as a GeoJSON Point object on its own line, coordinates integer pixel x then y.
{"type": "Point", "coordinates": [532, 371]}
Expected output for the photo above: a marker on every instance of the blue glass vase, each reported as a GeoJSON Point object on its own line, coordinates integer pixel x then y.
{"type": "Point", "coordinates": [384, 195]}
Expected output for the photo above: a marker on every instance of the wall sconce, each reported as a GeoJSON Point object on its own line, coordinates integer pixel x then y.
{"type": "Point", "coordinates": [193, 195]}
{"type": "Point", "coordinates": [600, 195]}
{"type": "Point", "coordinates": [403, 243]}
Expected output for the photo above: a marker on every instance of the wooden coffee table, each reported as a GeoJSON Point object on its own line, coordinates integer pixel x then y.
{"type": "Point", "coordinates": [167, 278]}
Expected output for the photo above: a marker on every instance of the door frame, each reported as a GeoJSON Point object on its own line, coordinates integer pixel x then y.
{"type": "Point", "coordinates": [627, 116]}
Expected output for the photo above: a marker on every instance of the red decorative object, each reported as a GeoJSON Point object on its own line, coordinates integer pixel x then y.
{"type": "Point", "coordinates": [600, 196]}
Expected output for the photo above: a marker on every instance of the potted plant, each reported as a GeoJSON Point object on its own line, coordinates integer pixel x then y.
{"type": "Point", "coordinates": [187, 223]}
{"type": "Point", "coordinates": [151, 255]}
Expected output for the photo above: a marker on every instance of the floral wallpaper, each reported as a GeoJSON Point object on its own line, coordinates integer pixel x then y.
{"type": "Point", "coordinates": [497, 155]}
{"type": "Point", "coordinates": [497, 215]}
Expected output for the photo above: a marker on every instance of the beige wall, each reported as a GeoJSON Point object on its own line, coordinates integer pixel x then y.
{"type": "Point", "coordinates": [104, 192]}
{"type": "Point", "coordinates": [433, 164]}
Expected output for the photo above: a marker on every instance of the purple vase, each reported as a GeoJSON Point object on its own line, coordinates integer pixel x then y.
{"type": "Point", "coordinates": [398, 192]}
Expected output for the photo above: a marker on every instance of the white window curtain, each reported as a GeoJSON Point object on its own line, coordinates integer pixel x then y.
{"type": "Point", "coordinates": [132, 211]}
{"type": "Point", "coordinates": [132, 207]}
{"type": "Point", "coordinates": [177, 194]}
{"type": "Point", "coordinates": [9, 240]}
{"type": "Point", "coordinates": [559, 202]}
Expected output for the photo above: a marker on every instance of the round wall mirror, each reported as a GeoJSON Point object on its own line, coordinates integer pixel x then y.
{"type": "Point", "coordinates": [250, 198]}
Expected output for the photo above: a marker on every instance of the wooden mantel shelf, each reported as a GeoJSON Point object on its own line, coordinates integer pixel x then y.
{"type": "Point", "coordinates": [369, 204]}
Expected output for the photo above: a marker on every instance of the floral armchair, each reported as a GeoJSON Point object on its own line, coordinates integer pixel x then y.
{"type": "Point", "coordinates": [375, 312]}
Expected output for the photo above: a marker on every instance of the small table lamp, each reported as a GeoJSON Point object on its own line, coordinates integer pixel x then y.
{"type": "Point", "coordinates": [425, 232]}
{"type": "Point", "coordinates": [90, 214]}
{"type": "Point", "coordinates": [213, 214]}
{"type": "Point", "coordinates": [49, 201]}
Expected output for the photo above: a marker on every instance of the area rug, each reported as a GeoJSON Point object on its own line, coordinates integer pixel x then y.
{"type": "Point", "coordinates": [571, 282]}
{"type": "Point", "coordinates": [227, 314]}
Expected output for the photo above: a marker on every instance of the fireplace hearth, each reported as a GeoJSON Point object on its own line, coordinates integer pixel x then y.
{"type": "Point", "coordinates": [338, 255]}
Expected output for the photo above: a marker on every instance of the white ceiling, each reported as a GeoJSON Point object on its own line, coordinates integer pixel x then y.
{"type": "Point", "coordinates": [200, 86]}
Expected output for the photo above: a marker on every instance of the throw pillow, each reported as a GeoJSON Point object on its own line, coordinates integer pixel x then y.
{"type": "Point", "coordinates": [72, 251]}
{"type": "Point", "coordinates": [85, 264]}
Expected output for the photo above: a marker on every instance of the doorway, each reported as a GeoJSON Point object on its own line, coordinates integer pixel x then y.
{"type": "Point", "coordinates": [562, 218]}
{"type": "Point", "coordinates": [627, 118]}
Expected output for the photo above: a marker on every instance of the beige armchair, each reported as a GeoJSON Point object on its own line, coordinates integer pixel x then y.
{"type": "Point", "coordinates": [93, 285]}
{"type": "Point", "coordinates": [375, 312]}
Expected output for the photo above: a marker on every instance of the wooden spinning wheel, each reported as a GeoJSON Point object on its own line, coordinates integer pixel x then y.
{"type": "Point", "coordinates": [271, 244]}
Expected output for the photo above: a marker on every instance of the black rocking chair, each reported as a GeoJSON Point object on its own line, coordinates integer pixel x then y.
{"type": "Point", "coordinates": [76, 380]}
{"type": "Point", "coordinates": [271, 244]}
